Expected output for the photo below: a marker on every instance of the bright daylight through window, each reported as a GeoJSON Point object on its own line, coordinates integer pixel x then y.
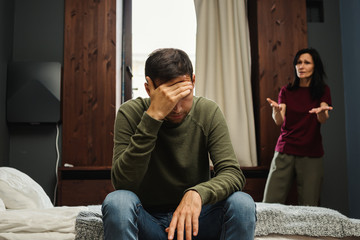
{"type": "Point", "coordinates": [160, 24]}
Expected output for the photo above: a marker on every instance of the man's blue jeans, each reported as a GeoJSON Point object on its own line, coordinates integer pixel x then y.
{"type": "Point", "coordinates": [124, 218]}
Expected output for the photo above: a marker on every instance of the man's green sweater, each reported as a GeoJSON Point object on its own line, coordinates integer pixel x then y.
{"type": "Point", "coordinates": [159, 161]}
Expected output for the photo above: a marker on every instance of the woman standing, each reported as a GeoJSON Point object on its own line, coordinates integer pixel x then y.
{"type": "Point", "coordinates": [302, 107]}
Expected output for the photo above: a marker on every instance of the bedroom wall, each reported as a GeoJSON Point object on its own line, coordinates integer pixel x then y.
{"type": "Point", "coordinates": [326, 38]}
{"type": "Point", "coordinates": [38, 36]}
{"type": "Point", "coordinates": [6, 33]}
{"type": "Point", "coordinates": [350, 32]}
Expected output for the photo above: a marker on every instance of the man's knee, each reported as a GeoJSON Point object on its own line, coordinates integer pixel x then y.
{"type": "Point", "coordinates": [242, 203]}
{"type": "Point", "coordinates": [120, 199]}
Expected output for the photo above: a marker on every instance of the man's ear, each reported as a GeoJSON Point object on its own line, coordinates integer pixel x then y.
{"type": "Point", "coordinates": [148, 84]}
{"type": "Point", "coordinates": [193, 79]}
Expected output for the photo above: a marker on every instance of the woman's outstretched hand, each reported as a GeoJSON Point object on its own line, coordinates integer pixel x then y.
{"type": "Point", "coordinates": [278, 111]}
{"type": "Point", "coordinates": [274, 105]}
{"type": "Point", "coordinates": [320, 109]}
{"type": "Point", "coordinates": [322, 112]}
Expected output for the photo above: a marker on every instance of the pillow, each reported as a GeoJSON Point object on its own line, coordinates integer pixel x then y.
{"type": "Point", "coordinates": [19, 191]}
{"type": "Point", "coordinates": [2, 205]}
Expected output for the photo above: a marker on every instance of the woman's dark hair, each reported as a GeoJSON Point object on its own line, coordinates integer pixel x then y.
{"type": "Point", "coordinates": [317, 84]}
{"type": "Point", "coordinates": [168, 63]}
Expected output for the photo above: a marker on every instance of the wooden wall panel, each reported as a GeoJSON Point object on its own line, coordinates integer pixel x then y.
{"type": "Point", "coordinates": [278, 29]}
{"type": "Point", "coordinates": [88, 87]}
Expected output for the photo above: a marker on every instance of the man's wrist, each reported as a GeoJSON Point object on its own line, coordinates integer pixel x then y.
{"type": "Point", "coordinates": [155, 115]}
{"type": "Point", "coordinates": [152, 117]}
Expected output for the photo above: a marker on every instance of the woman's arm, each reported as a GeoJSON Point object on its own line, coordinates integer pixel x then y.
{"type": "Point", "coordinates": [278, 113]}
{"type": "Point", "coordinates": [322, 112]}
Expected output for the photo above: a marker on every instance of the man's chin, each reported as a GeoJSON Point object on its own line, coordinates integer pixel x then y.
{"type": "Point", "coordinates": [175, 120]}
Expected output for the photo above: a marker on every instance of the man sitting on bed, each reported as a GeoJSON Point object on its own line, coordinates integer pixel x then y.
{"type": "Point", "coordinates": [160, 166]}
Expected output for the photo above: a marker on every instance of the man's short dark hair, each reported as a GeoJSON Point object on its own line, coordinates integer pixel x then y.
{"type": "Point", "coordinates": [168, 63]}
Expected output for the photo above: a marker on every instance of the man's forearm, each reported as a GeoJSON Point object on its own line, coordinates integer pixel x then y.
{"type": "Point", "coordinates": [132, 154]}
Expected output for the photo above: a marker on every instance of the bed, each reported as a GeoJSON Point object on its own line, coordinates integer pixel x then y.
{"type": "Point", "coordinates": [26, 212]}
{"type": "Point", "coordinates": [274, 221]}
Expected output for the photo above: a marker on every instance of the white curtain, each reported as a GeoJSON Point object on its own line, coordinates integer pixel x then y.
{"type": "Point", "coordinates": [223, 69]}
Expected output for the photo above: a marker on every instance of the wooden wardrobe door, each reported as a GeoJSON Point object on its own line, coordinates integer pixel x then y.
{"type": "Point", "coordinates": [88, 87]}
{"type": "Point", "coordinates": [278, 29]}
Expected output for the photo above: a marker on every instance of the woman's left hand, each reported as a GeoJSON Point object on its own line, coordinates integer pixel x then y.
{"type": "Point", "coordinates": [320, 109]}
{"type": "Point", "coordinates": [322, 112]}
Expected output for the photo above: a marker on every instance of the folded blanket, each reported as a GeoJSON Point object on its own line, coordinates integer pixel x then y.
{"type": "Point", "coordinates": [304, 220]}
{"type": "Point", "coordinates": [271, 219]}
{"type": "Point", "coordinates": [89, 225]}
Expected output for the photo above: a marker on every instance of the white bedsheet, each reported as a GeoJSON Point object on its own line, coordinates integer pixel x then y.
{"type": "Point", "coordinates": [56, 223]}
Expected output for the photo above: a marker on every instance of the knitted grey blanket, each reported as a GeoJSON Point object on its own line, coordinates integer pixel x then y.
{"type": "Point", "coordinates": [88, 224]}
{"type": "Point", "coordinates": [304, 220]}
{"type": "Point", "coordinates": [271, 219]}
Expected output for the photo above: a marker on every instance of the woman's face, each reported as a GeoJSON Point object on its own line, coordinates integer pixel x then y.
{"type": "Point", "coordinates": [305, 66]}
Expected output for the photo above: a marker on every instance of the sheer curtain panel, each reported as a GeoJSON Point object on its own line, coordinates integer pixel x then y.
{"type": "Point", "coordinates": [223, 69]}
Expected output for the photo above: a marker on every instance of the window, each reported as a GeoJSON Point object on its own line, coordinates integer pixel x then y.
{"type": "Point", "coordinates": [159, 24]}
